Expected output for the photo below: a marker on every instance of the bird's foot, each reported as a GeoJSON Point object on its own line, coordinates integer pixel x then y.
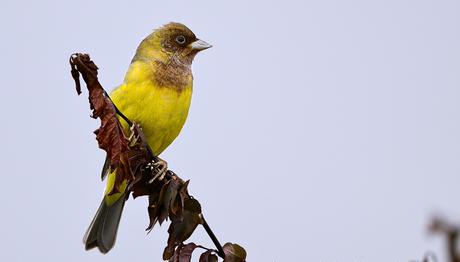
{"type": "Point", "coordinates": [135, 135]}
{"type": "Point", "coordinates": [160, 166]}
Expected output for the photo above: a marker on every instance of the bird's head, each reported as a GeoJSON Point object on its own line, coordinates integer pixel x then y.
{"type": "Point", "coordinates": [171, 41]}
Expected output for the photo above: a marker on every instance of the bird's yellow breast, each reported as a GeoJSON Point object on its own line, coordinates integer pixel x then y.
{"type": "Point", "coordinates": [160, 110]}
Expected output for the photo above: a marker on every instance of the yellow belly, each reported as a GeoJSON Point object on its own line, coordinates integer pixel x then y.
{"type": "Point", "coordinates": [161, 111]}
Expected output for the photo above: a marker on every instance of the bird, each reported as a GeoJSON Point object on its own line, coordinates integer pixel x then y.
{"type": "Point", "coordinates": [156, 94]}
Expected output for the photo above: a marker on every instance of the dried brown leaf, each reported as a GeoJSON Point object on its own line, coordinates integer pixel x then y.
{"type": "Point", "coordinates": [181, 230]}
{"type": "Point", "coordinates": [234, 253]}
{"type": "Point", "coordinates": [109, 135]}
{"type": "Point", "coordinates": [177, 202]}
{"type": "Point", "coordinates": [208, 256]}
{"type": "Point", "coordinates": [185, 254]}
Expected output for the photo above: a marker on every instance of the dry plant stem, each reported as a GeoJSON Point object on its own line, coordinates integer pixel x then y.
{"type": "Point", "coordinates": [213, 237]}
{"type": "Point", "coordinates": [119, 112]}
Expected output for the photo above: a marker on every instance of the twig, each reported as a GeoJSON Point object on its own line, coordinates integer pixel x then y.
{"type": "Point", "coordinates": [213, 237]}
{"type": "Point", "coordinates": [118, 110]}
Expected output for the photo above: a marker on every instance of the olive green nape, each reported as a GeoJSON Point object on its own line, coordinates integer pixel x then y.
{"type": "Point", "coordinates": [147, 48]}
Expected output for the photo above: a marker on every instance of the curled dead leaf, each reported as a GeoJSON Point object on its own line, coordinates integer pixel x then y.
{"type": "Point", "coordinates": [234, 253]}
{"type": "Point", "coordinates": [181, 229]}
{"type": "Point", "coordinates": [109, 135]}
{"type": "Point", "coordinates": [208, 256]}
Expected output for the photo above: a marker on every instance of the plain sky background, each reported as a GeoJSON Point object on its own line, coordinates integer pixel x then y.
{"type": "Point", "coordinates": [319, 130]}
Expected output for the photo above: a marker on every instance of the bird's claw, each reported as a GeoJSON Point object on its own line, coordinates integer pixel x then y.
{"type": "Point", "coordinates": [134, 136]}
{"type": "Point", "coordinates": [160, 166]}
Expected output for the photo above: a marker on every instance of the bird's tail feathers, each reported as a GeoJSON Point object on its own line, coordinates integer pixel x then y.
{"type": "Point", "coordinates": [102, 231]}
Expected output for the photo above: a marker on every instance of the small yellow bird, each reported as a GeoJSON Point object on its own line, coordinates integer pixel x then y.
{"type": "Point", "coordinates": [156, 93]}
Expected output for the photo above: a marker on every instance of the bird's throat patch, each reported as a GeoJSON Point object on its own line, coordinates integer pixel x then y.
{"type": "Point", "coordinates": [173, 74]}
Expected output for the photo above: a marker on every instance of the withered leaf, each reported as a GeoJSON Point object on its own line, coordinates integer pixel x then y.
{"type": "Point", "coordinates": [208, 256]}
{"type": "Point", "coordinates": [234, 253]}
{"type": "Point", "coordinates": [153, 218]}
{"type": "Point", "coordinates": [175, 256]}
{"type": "Point", "coordinates": [181, 229]}
{"type": "Point", "coordinates": [177, 202]}
{"type": "Point", "coordinates": [171, 194]}
{"type": "Point", "coordinates": [183, 253]}
{"type": "Point", "coordinates": [155, 207]}
{"type": "Point", "coordinates": [109, 135]}
{"type": "Point", "coordinates": [164, 197]}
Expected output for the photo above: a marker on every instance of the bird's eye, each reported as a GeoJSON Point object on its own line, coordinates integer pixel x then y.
{"type": "Point", "coordinates": [180, 39]}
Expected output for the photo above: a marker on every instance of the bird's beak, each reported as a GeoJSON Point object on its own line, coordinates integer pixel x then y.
{"type": "Point", "coordinates": [199, 45]}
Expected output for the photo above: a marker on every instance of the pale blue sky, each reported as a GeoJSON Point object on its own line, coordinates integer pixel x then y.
{"type": "Point", "coordinates": [319, 130]}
